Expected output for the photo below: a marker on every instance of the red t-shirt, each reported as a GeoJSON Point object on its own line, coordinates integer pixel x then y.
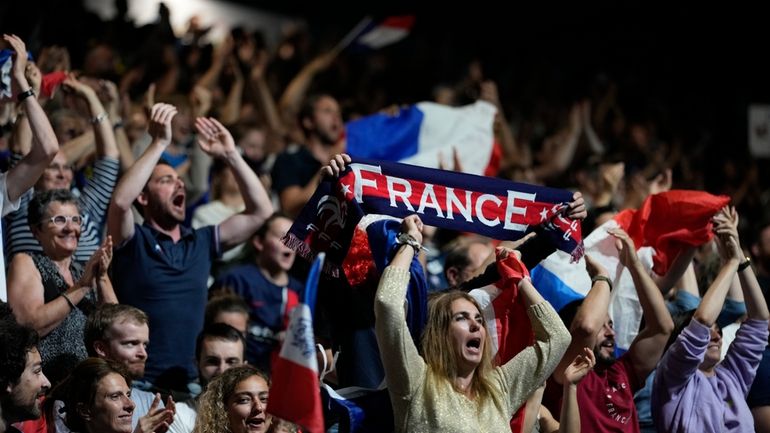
{"type": "Point", "coordinates": [605, 398]}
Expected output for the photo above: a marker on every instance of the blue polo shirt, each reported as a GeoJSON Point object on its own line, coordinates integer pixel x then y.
{"type": "Point", "coordinates": [168, 281]}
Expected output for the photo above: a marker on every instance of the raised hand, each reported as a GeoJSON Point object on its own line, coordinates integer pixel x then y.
{"type": "Point", "coordinates": [580, 366]}
{"type": "Point", "coordinates": [577, 207]}
{"type": "Point", "coordinates": [412, 225]}
{"type": "Point", "coordinates": [160, 122]}
{"type": "Point", "coordinates": [336, 165]}
{"type": "Point", "coordinates": [625, 246]}
{"type": "Point", "coordinates": [19, 63]}
{"type": "Point", "coordinates": [726, 229]}
{"type": "Point", "coordinates": [594, 268]}
{"type": "Point", "coordinates": [105, 257]}
{"type": "Point", "coordinates": [157, 419]}
{"type": "Point", "coordinates": [214, 138]}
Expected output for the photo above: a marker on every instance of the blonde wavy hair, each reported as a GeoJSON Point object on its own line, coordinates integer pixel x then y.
{"type": "Point", "coordinates": [212, 409]}
{"type": "Point", "coordinates": [440, 355]}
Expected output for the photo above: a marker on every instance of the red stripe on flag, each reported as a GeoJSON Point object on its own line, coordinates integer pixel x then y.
{"type": "Point", "coordinates": [299, 400]}
{"type": "Point", "coordinates": [405, 22]}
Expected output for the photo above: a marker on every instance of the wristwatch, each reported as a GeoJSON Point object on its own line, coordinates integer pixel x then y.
{"type": "Point", "coordinates": [407, 239]}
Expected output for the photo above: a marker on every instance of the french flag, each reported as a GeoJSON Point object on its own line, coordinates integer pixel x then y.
{"type": "Point", "coordinates": [664, 225]}
{"type": "Point", "coordinates": [295, 391]}
{"type": "Point", "coordinates": [374, 35]}
{"type": "Point", "coordinates": [425, 133]}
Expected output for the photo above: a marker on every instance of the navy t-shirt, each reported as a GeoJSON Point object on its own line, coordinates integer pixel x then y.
{"type": "Point", "coordinates": [268, 304]}
{"type": "Point", "coordinates": [168, 281]}
{"type": "Point", "coordinates": [294, 168]}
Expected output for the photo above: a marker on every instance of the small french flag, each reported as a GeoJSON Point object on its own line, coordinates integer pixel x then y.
{"type": "Point", "coordinates": [295, 392]}
{"type": "Point", "coordinates": [377, 34]}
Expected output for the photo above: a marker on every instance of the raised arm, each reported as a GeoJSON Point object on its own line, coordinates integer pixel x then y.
{"type": "Point", "coordinates": [292, 97]}
{"type": "Point", "coordinates": [726, 224]}
{"type": "Point", "coordinates": [120, 220]}
{"type": "Point", "coordinates": [647, 348]}
{"type": "Point", "coordinates": [400, 359]}
{"type": "Point", "coordinates": [44, 144]}
{"type": "Point", "coordinates": [106, 146]}
{"type": "Point", "coordinates": [590, 318]}
{"type": "Point", "coordinates": [539, 360]}
{"type": "Point", "coordinates": [215, 140]}
{"type": "Point", "coordinates": [576, 371]}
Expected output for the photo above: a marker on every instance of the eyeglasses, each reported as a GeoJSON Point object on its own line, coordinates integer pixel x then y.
{"type": "Point", "coordinates": [62, 220]}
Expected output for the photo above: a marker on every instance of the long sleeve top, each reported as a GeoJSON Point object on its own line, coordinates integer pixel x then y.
{"type": "Point", "coordinates": [686, 400]}
{"type": "Point", "coordinates": [420, 405]}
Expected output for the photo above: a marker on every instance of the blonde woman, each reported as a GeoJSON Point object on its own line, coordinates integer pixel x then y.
{"type": "Point", "coordinates": [453, 386]}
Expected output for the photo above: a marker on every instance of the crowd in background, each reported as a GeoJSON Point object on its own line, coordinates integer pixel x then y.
{"type": "Point", "coordinates": [182, 162]}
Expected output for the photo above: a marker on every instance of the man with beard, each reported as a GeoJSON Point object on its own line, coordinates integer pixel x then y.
{"type": "Point", "coordinates": [606, 394]}
{"type": "Point", "coordinates": [162, 267]}
{"type": "Point", "coordinates": [297, 170]}
{"type": "Point", "coordinates": [22, 382]}
{"type": "Point", "coordinates": [120, 333]}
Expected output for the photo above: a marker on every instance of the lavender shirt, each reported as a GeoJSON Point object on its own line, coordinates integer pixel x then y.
{"type": "Point", "coordinates": [686, 400]}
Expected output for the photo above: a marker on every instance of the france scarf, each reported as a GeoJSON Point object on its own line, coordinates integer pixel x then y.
{"type": "Point", "coordinates": [491, 207]}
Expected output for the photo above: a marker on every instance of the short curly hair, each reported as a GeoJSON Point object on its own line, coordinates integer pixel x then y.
{"type": "Point", "coordinates": [16, 341]}
{"type": "Point", "coordinates": [212, 409]}
{"type": "Point", "coordinates": [41, 200]}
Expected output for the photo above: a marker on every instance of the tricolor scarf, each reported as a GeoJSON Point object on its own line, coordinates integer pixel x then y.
{"type": "Point", "coordinates": [491, 207]}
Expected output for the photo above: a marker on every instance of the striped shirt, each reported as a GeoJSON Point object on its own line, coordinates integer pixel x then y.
{"type": "Point", "coordinates": [93, 202]}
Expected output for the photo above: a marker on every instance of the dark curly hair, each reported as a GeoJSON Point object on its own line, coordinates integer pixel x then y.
{"type": "Point", "coordinates": [15, 342]}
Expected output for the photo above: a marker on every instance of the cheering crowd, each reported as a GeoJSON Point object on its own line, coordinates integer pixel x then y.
{"type": "Point", "coordinates": [153, 214]}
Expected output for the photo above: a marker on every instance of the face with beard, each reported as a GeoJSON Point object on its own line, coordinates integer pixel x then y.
{"type": "Point", "coordinates": [604, 350]}
{"type": "Point", "coordinates": [327, 120]}
{"type": "Point", "coordinates": [163, 198]}
{"type": "Point", "coordinates": [24, 396]}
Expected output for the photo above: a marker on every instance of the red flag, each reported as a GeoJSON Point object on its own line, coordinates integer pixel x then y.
{"type": "Point", "coordinates": [670, 221]}
{"type": "Point", "coordinates": [512, 331]}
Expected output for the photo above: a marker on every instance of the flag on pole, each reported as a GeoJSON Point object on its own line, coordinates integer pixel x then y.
{"type": "Point", "coordinates": [373, 34]}
{"type": "Point", "coordinates": [295, 392]}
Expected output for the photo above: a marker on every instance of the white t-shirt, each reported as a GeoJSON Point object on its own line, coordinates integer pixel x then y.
{"type": "Point", "coordinates": [7, 207]}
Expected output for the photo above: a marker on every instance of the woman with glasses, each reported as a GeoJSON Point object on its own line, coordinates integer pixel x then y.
{"type": "Point", "coordinates": [51, 291]}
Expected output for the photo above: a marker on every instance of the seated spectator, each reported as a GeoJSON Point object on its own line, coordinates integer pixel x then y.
{"type": "Point", "coordinates": [99, 391]}
{"type": "Point", "coordinates": [267, 288]}
{"type": "Point", "coordinates": [53, 292]}
{"type": "Point", "coordinates": [233, 400]}
{"type": "Point", "coordinates": [693, 391]}
{"type": "Point", "coordinates": [22, 382]}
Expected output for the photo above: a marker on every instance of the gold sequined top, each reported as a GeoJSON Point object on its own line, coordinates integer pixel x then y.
{"type": "Point", "coordinates": [419, 406]}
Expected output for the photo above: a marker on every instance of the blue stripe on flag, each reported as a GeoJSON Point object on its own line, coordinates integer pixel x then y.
{"type": "Point", "coordinates": [552, 288]}
{"type": "Point", "coordinates": [311, 286]}
{"type": "Point", "coordinates": [385, 137]}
